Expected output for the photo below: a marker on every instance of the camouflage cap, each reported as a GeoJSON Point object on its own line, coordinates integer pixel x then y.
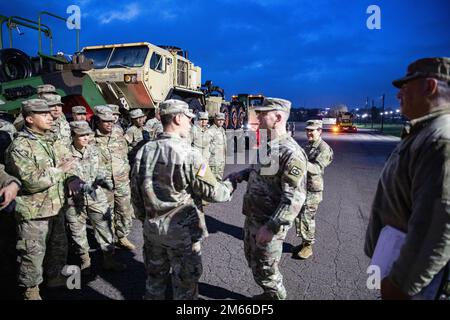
{"type": "Point", "coordinates": [104, 113]}
{"type": "Point", "coordinates": [78, 110]}
{"type": "Point", "coordinates": [271, 104]}
{"type": "Point", "coordinates": [219, 116]}
{"type": "Point", "coordinates": [53, 100]}
{"type": "Point", "coordinates": [114, 108]}
{"type": "Point", "coordinates": [314, 124]}
{"type": "Point", "coordinates": [46, 88]}
{"type": "Point", "coordinates": [80, 128]}
{"type": "Point", "coordinates": [136, 113]}
{"type": "Point", "coordinates": [35, 105]}
{"type": "Point", "coordinates": [203, 115]}
{"type": "Point", "coordinates": [438, 68]}
{"type": "Point", "coordinates": [175, 106]}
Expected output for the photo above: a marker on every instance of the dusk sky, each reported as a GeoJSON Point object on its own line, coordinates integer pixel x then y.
{"type": "Point", "coordinates": [314, 53]}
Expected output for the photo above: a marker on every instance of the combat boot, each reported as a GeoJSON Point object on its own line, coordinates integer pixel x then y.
{"type": "Point", "coordinates": [32, 293]}
{"type": "Point", "coordinates": [110, 264]}
{"type": "Point", "coordinates": [57, 282]}
{"type": "Point", "coordinates": [125, 244]}
{"type": "Point", "coordinates": [306, 251]}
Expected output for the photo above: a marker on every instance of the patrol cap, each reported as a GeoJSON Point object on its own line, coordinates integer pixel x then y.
{"type": "Point", "coordinates": [35, 105]}
{"type": "Point", "coordinates": [80, 127]}
{"type": "Point", "coordinates": [136, 113]}
{"type": "Point", "coordinates": [104, 113]}
{"type": "Point", "coordinates": [78, 110]}
{"type": "Point", "coordinates": [314, 124]}
{"type": "Point", "coordinates": [114, 108]}
{"type": "Point", "coordinates": [270, 104]}
{"type": "Point", "coordinates": [46, 88]}
{"type": "Point", "coordinates": [53, 100]}
{"type": "Point", "coordinates": [203, 115]}
{"type": "Point", "coordinates": [175, 106]}
{"type": "Point", "coordinates": [438, 68]}
{"type": "Point", "coordinates": [219, 116]}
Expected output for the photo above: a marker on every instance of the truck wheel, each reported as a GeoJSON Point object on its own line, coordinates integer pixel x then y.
{"type": "Point", "coordinates": [233, 118]}
{"type": "Point", "coordinates": [241, 117]}
{"type": "Point", "coordinates": [14, 64]}
{"type": "Point", "coordinates": [224, 109]}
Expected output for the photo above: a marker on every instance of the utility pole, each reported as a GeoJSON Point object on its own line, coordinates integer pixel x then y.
{"type": "Point", "coordinates": [382, 111]}
{"type": "Point", "coordinates": [373, 111]}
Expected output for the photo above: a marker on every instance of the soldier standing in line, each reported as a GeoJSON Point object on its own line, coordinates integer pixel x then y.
{"type": "Point", "coordinates": [167, 176]}
{"type": "Point", "coordinates": [79, 113]}
{"type": "Point", "coordinates": [217, 145]}
{"type": "Point", "coordinates": [153, 126]}
{"type": "Point", "coordinates": [116, 113]}
{"type": "Point", "coordinates": [60, 129]}
{"type": "Point", "coordinates": [92, 203]}
{"type": "Point", "coordinates": [413, 193]}
{"type": "Point", "coordinates": [9, 187]}
{"type": "Point", "coordinates": [41, 166]}
{"type": "Point", "coordinates": [320, 155]}
{"type": "Point", "coordinates": [134, 134]}
{"type": "Point", "coordinates": [113, 149]}
{"type": "Point", "coordinates": [275, 194]}
{"type": "Point", "coordinates": [199, 139]}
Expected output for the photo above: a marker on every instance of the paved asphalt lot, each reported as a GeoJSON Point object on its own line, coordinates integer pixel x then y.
{"type": "Point", "coordinates": [337, 269]}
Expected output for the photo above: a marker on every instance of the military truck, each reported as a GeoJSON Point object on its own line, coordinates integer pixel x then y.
{"type": "Point", "coordinates": [344, 122]}
{"type": "Point", "coordinates": [20, 73]}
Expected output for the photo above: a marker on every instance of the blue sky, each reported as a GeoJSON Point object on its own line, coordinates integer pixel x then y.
{"type": "Point", "coordinates": [314, 53]}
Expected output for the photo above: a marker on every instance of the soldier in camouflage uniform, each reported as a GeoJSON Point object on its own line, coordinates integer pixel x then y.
{"type": "Point", "coordinates": [113, 148]}
{"type": "Point", "coordinates": [93, 205]}
{"type": "Point", "coordinates": [153, 126]}
{"type": "Point", "coordinates": [320, 156]}
{"type": "Point", "coordinates": [217, 139]}
{"type": "Point", "coordinates": [116, 113]}
{"type": "Point", "coordinates": [60, 129]}
{"type": "Point", "coordinates": [413, 194]}
{"type": "Point", "coordinates": [79, 113]}
{"type": "Point", "coordinates": [199, 138]}
{"type": "Point", "coordinates": [134, 134]}
{"type": "Point", "coordinates": [167, 178]}
{"type": "Point", "coordinates": [41, 166]}
{"type": "Point", "coordinates": [43, 91]}
{"type": "Point", "coordinates": [9, 186]}
{"type": "Point", "coordinates": [275, 194]}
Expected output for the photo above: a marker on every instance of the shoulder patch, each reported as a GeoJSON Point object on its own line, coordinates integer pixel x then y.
{"type": "Point", "coordinates": [202, 170]}
{"type": "Point", "coordinates": [295, 171]}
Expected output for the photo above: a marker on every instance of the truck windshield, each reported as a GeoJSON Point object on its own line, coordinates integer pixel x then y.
{"type": "Point", "coordinates": [128, 57]}
{"type": "Point", "coordinates": [100, 56]}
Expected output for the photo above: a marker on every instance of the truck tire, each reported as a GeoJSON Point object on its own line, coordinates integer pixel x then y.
{"type": "Point", "coordinates": [14, 65]}
{"type": "Point", "coordinates": [241, 117]}
{"type": "Point", "coordinates": [224, 109]}
{"type": "Point", "coordinates": [233, 123]}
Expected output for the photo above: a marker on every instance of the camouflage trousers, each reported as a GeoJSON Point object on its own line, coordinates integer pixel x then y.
{"type": "Point", "coordinates": [264, 260]}
{"type": "Point", "coordinates": [174, 250]}
{"type": "Point", "coordinates": [100, 218]}
{"type": "Point", "coordinates": [218, 171]}
{"type": "Point", "coordinates": [305, 223]}
{"type": "Point", "coordinates": [42, 247]}
{"type": "Point", "coordinates": [120, 200]}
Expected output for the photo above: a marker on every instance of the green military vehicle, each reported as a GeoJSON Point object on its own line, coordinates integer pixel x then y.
{"type": "Point", "coordinates": [20, 73]}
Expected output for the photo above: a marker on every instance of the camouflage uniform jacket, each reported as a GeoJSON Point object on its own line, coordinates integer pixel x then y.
{"type": "Point", "coordinates": [34, 160]}
{"type": "Point", "coordinates": [413, 195]}
{"type": "Point", "coordinates": [153, 127]}
{"type": "Point", "coordinates": [6, 179]}
{"type": "Point", "coordinates": [60, 130]}
{"type": "Point", "coordinates": [217, 145]}
{"type": "Point", "coordinates": [133, 136]}
{"type": "Point", "coordinates": [117, 129]}
{"type": "Point", "coordinates": [320, 155]}
{"type": "Point", "coordinates": [87, 168]}
{"type": "Point", "coordinates": [113, 150]}
{"type": "Point", "coordinates": [8, 127]}
{"type": "Point", "coordinates": [276, 192]}
{"type": "Point", "coordinates": [200, 140]}
{"type": "Point", "coordinates": [167, 178]}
